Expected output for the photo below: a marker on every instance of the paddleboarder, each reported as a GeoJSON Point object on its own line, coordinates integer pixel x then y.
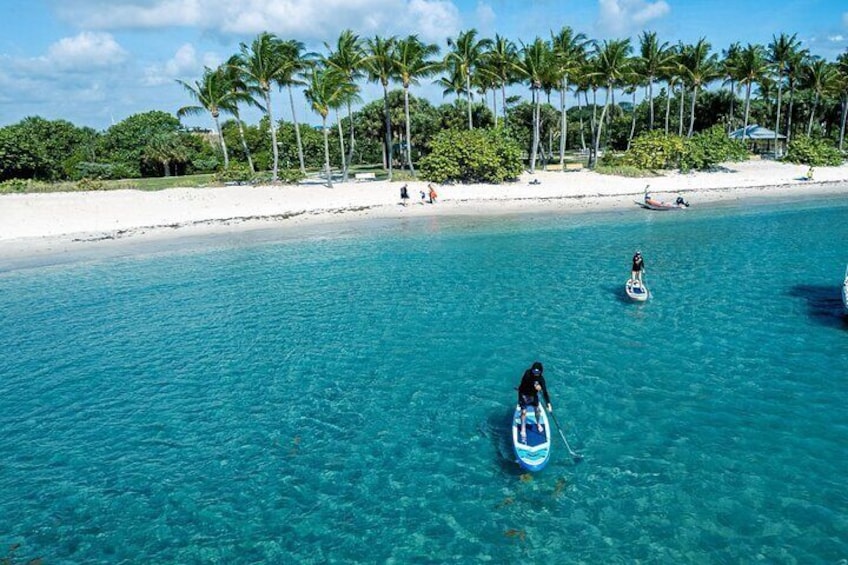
{"type": "Point", "coordinates": [638, 267]}
{"type": "Point", "coordinates": [532, 383]}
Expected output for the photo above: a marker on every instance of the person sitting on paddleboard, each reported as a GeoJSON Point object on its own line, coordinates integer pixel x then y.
{"type": "Point", "coordinates": [638, 267]}
{"type": "Point", "coordinates": [532, 382]}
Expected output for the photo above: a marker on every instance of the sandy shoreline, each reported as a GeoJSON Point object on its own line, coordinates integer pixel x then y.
{"type": "Point", "coordinates": [60, 222]}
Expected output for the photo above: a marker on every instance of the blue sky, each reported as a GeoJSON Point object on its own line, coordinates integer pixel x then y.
{"type": "Point", "coordinates": [96, 62]}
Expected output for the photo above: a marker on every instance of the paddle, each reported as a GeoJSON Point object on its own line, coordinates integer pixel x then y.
{"type": "Point", "coordinates": [577, 457]}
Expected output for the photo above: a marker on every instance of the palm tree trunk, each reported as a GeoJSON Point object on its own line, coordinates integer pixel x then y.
{"type": "Point", "coordinates": [503, 100]}
{"type": "Point", "coordinates": [633, 121]}
{"type": "Point", "coordinates": [535, 144]}
{"type": "Point", "coordinates": [244, 142]}
{"type": "Point", "coordinates": [777, 118]}
{"type": "Point", "coordinates": [495, 106]}
{"type": "Point", "coordinates": [600, 127]}
{"type": "Point", "coordinates": [682, 104]}
{"type": "Point", "coordinates": [651, 101]}
{"type": "Point", "coordinates": [408, 134]}
{"type": "Point", "coordinates": [468, 98]}
{"type": "Point", "coordinates": [747, 109]}
{"type": "Point", "coordinates": [274, 149]}
{"type": "Point", "coordinates": [732, 100]}
{"type": "Point", "coordinates": [388, 118]}
{"type": "Point", "coordinates": [564, 128]}
{"type": "Point", "coordinates": [582, 127]}
{"type": "Point", "coordinates": [789, 113]}
{"type": "Point", "coordinates": [844, 116]}
{"type": "Point", "coordinates": [297, 134]}
{"type": "Point", "coordinates": [341, 143]}
{"type": "Point", "coordinates": [812, 114]}
{"type": "Point", "coordinates": [667, 107]}
{"type": "Point", "coordinates": [223, 142]}
{"type": "Point", "coordinates": [327, 152]}
{"type": "Point", "coordinates": [350, 145]}
{"type": "Point", "coordinates": [692, 111]}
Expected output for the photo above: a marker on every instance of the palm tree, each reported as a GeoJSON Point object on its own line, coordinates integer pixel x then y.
{"type": "Point", "coordinates": [728, 66]}
{"type": "Point", "coordinates": [262, 64]}
{"type": "Point", "coordinates": [535, 65]}
{"type": "Point", "coordinates": [612, 64]}
{"type": "Point", "coordinates": [779, 52]}
{"type": "Point", "coordinates": [672, 74]}
{"type": "Point", "coordinates": [453, 83]}
{"type": "Point", "coordinates": [297, 63]}
{"type": "Point", "coordinates": [243, 94]}
{"type": "Point", "coordinates": [701, 68]}
{"type": "Point", "coordinates": [327, 89]}
{"type": "Point", "coordinates": [349, 59]}
{"type": "Point", "coordinates": [465, 54]}
{"type": "Point", "coordinates": [412, 61]}
{"type": "Point", "coordinates": [165, 148]}
{"type": "Point", "coordinates": [820, 77]}
{"type": "Point", "coordinates": [380, 66]}
{"type": "Point", "coordinates": [569, 52]}
{"type": "Point", "coordinates": [795, 64]}
{"type": "Point", "coordinates": [214, 94]}
{"type": "Point", "coordinates": [654, 57]}
{"type": "Point", "coordinates": [751, 67]}
{"type": "Point", "coordinates": [499, 62]}
{"type": "Point", "coordinates": [842, 71]}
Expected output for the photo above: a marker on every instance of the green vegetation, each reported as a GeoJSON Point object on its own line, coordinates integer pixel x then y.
{"type": "Point", "coordinates": [472, 156]}
{"type": "Point", "coordinates": [706, 149]}
{"type": "Point", "coordinates": [813, 152]}
{"type": "Point", "coordinates": [577, 94]}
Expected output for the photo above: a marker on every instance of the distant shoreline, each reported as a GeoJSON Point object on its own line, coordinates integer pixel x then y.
{"type": "Point", "coordinates": [32, 224]}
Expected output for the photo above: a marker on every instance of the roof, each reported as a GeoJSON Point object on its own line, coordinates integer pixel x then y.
{"type": "Point", "coordinates": [755, 132]}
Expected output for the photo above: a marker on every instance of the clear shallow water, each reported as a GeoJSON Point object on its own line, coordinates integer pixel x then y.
{"type": "Point", "coordinates": [347, 398]}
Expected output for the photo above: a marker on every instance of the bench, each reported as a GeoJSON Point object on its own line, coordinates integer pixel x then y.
{"type": "Point", "coordinates": [365, 176]}
{"type": "Point", "coordinates": [574, 166]}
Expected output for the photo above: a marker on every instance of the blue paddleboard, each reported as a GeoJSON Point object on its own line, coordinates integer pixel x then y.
{"type": "Point", "coordinates": [534, 452]}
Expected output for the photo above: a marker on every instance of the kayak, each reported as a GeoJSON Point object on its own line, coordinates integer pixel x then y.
{"type": "Point", "coordinates": [534, 452]}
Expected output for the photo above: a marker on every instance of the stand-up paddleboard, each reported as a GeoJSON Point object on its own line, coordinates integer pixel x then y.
{"type": "Point", "coordinates": [636, 290]}
{"type": "Point", "coordinates": [534, 452]}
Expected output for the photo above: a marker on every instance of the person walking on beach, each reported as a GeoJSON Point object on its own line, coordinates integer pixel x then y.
{"type": "Point", "coordinates": [404, 195]}
{"type": "Point", "coordinates": [638, 267]}
{"type": "Point", "coordinates": [433, 194]}
{"type": "Point", "coordinates": [810, 173]}
{"type": "Point", "coordinates": [423, 196]}
{"type": "Point", "coordinates": [532, 383]}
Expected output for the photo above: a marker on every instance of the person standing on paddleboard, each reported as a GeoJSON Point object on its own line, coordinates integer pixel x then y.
{"type": "Point", "coordinates": [532, 383]}
{"type": "Point", "coordinates": [638, 267]}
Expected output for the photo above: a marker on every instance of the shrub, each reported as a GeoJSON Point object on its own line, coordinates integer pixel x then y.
{"type": "Point", "coordinates": [813, 152]}
{"type": "Point", "coordinates": [481, 155]}
{"type": "Point", "coordinates": [705, 149]}
{"type": "Point", "coordinates": [655, 150]}
{"type": "Point", "coordinates": [710, 147]}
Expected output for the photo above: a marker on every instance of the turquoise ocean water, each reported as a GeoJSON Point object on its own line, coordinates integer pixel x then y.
{"type": "Point", "coordinates": [345, 395]}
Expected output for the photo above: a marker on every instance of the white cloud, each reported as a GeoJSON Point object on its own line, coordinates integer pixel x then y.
{"type": "Point", "coordinates": [485, 16]}
{"type": "Point", "coordinates": [184, 65]}
{"type": "Point", "coordinates": [836, 38]}
{"type": "Point", "coordinates": [624, 16]}
{"type": "Point", "coordinates": [305, 19]}
{"type": "Point", "coordinates": [85, 51]}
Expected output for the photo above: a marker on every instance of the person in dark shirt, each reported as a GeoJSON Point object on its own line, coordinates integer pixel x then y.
{"type": "Point", "coordinates": [638, 267]}
{"type": "Point", "coordinates": [404, 195]}
{"type": "Point", "coordinates": [532, 383]}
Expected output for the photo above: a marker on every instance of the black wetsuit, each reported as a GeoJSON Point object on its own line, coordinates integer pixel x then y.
{"type": "Point", "coordinates": [527, 393]}
{"type": "Point", "coordinates": [638, 263]}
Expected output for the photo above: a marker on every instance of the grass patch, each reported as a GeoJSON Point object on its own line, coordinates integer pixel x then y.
{"type": "Point", "coordinates": [625, 171]}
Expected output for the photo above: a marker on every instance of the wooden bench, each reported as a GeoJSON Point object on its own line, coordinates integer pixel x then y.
{"type": "Point", "coordinates": [574, 166]}
{"type": "Point", "coordinates": [365, 176]}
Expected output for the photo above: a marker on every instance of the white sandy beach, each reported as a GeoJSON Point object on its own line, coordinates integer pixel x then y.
{"type": "Point", "coordinates": [58, 221]}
